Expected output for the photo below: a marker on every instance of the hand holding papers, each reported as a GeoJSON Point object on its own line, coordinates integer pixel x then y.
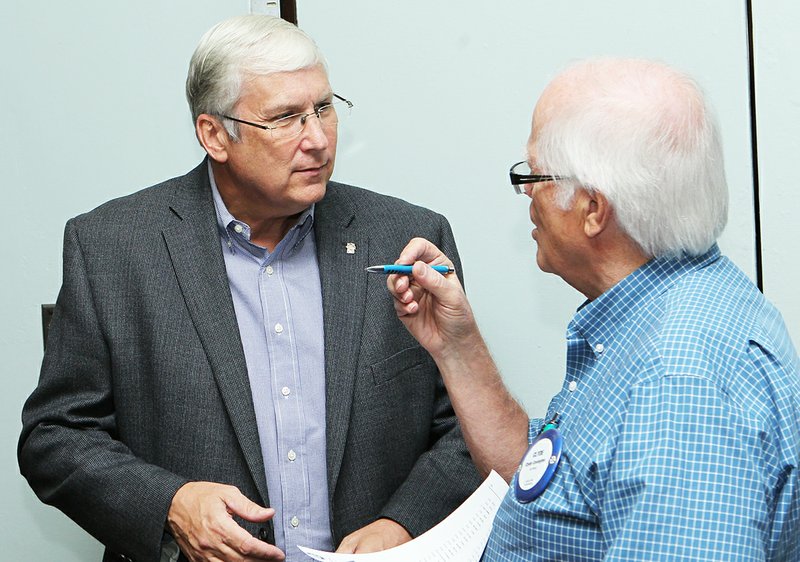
{"type": "Point", "coordinates": [461, 537]}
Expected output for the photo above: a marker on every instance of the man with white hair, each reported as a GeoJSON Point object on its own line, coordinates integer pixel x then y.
{"type": "Point", "coordinates": [222, 374]}
{"type": "Point", "coordinates": [676, 434]}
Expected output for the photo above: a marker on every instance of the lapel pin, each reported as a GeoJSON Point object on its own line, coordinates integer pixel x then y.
{"type": "Point", "coordinates": [350, 247]}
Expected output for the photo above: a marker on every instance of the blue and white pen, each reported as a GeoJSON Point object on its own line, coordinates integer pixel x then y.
{"type": "Point", "coordinates": [405, 269]}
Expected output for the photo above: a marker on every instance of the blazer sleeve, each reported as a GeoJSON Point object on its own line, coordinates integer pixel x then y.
{"type": "Point", "coordinates": [68, 450]}
{"type": "Point", "coordinates": [444, 475]}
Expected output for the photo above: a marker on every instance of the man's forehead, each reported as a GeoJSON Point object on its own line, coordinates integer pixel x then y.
{"type": "Point", "coordinates": [288, 88]}
{"type": "Point", "coordinates": [552, 96]}
{"type": "Point", "coordinates": [537, 120]}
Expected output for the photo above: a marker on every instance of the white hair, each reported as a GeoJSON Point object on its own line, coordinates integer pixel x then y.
{"type": "Point", "coordinates": [242, 46]}
{"type": "Point", "coordinates": [640, 133]}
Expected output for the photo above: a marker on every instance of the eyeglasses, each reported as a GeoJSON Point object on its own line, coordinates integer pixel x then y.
{"type": "Point", "coordinates": [329, 115]}
{"type": "Point", "coordinates": [521, 173]}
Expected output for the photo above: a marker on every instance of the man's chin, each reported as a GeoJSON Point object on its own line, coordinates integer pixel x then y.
{"type": "Point", "coordinates": [541, 262]}
{"type": "Point", "coordinates": [314, 192]}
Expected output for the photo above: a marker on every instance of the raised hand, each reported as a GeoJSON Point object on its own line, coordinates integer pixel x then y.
{"type": "Point", "coordinates": [432, 306]}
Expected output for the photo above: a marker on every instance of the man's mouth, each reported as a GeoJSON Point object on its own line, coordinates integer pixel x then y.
{"type": "Point", "coordinates": [312, 169]}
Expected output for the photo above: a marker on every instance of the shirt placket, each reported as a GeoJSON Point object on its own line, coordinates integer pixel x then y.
{"type": "Point", "coordinates": [575, 359]}
{"type": "Point", "coordinates": [287, 404]}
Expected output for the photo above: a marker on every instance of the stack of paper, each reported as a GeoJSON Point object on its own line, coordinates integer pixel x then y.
{"type": "Point", "coordinates": [461, 537]}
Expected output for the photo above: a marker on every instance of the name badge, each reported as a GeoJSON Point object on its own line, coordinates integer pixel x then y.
{"type": "Point", "coordinates": [538, 466]}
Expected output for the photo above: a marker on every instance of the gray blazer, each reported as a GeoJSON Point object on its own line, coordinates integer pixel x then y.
{"type": "Point", "coordinates": [144, 385]}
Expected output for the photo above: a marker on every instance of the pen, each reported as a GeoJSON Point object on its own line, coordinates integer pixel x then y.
{"type": "Point", "coordinates": [405, 269]}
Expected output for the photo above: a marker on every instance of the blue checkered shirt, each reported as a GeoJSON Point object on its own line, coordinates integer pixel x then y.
{"type": "Point", "coordinates": [680, 414]}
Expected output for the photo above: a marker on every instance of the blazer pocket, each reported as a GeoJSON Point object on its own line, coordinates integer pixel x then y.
{"type": "Point", "coordinates": [408, 359]}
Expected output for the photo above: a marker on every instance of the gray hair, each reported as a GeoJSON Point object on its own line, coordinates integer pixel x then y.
{"type": "Point", "coordinates": [642, 134]}
{"type": "Point", "coordinates": [242, 46]}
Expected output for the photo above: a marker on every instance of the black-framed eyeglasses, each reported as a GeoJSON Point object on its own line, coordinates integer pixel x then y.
{"type": "Point", "coordinates": [329, 115]}
{"type": "Point", "coordinates": [521, 173]}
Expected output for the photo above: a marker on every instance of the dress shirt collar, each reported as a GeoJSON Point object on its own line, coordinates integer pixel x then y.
{"type": "Point", "coordinates": [600, 320]}
{"type": "Point", "coordinates": [237, 233]}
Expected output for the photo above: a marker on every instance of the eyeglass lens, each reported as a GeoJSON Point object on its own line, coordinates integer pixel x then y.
{"type": "Point", "coordinates": [329, 115]}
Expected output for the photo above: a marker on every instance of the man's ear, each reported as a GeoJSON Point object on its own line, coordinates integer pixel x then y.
{"type": "Point", "coordinates": [213, 136]}
{"type": "Point", "coordinates": [597, 215]}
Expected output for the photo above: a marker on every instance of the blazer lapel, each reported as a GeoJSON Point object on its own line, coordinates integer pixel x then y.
{"type": "Point", "coordinates": [194, 247]}
{"type": "Point", "coordinates": [342, 254]}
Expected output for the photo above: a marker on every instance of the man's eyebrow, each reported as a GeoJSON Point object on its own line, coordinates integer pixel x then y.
{"type": "Point", "coordinates": [290, 108]}
{"type": "Point", "coordinates": [327, 98]}
{"type": "Point", "coordinates": [271, 112]}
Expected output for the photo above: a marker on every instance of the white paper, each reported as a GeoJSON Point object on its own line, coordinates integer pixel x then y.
{"type": "Point", "coordinates": [461, 537]}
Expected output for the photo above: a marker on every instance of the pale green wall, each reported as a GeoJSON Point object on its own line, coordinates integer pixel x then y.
{"type": "Point", "coordinates": [444, 96]}
{"type": "Point", "coordinates": [93, 108]}
{"type": "Point", "coordinates": [778, 106]}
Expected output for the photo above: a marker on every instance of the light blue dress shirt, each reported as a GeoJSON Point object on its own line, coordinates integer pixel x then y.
{"type": "Point", "coordinates": [680, 414]}
{"type": "Point", "coordinates": [278, 302]}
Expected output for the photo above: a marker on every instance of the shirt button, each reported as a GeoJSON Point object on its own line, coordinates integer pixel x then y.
{"type": "Point", "coordinates": [238, 228]}
{"type": "Point", "coordinates": [572, 386]}
{"type": "Point", "coordinates": [294, 522]}
{"type": "Point", "coordinates": [599, 348]}
{"type": "Point", "coordinates": [278, 328]}
{"type": "Point", "coordinates": [270, 271]}
{"type": "Point", "coordinates": [286, 391]}
{"type": "Point", "coordinates": [291, 455]}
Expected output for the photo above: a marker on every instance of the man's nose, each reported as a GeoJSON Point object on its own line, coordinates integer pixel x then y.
{"type": "Point", "coordinates": [314, 134]}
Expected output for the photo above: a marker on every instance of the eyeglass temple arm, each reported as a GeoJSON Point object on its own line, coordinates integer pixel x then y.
{"type": "Point", "coordinates": [348, 102]}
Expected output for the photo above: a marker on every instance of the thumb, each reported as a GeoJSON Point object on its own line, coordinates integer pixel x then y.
{"type": "Point", "coordinates": [430, 280]}
{"type": "Point", "coordinates": [246, 509]}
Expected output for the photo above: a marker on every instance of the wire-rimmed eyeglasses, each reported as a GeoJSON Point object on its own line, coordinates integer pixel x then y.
{"type": "Point", "coordinates": [329, 115]}
{"type": "Point", "coordinates": [521, 173]}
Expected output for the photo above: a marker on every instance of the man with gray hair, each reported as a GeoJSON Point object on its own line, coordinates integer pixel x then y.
{"type": "Point", "coordinates": [676, 434]}
{"type": "Point", "coordinates": [222, 375]}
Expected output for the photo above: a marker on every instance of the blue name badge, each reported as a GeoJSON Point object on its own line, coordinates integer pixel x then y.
{"type": "Point", "coordinates": [538, 466]}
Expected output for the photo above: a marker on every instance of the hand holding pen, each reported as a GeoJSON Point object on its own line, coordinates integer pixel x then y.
{"type": "Point", "coordinates": [433, 307]}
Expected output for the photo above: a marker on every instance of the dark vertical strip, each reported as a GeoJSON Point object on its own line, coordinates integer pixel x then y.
{"type": "Point", "coordinates": [289, 10]}
{"type": "Point", "coordinates": [47, 315]}
{"type": "Point", "coordinates": [754, 145]}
